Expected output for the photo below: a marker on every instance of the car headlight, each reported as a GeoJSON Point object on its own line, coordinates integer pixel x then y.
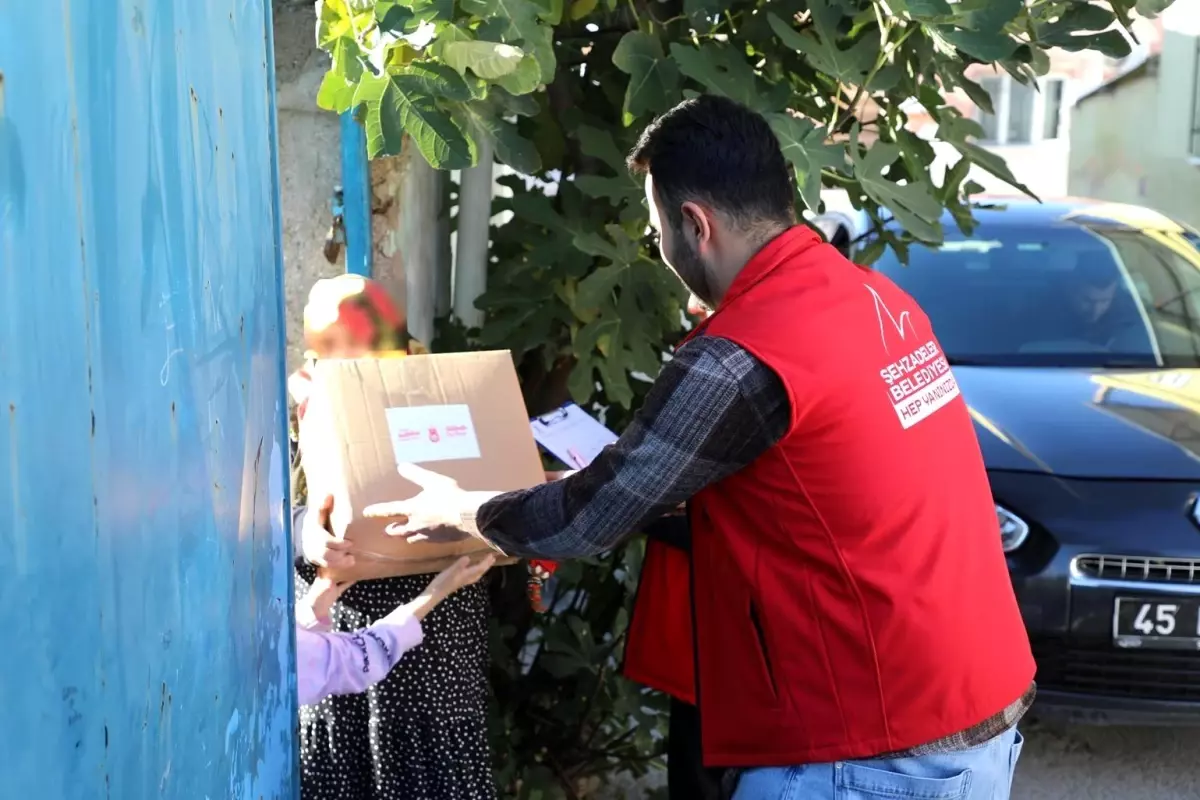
{"type": "Point", "coordinates": [1013, 530]}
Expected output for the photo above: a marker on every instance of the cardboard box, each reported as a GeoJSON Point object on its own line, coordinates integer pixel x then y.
{"type": "Point", "coordinates": [460, 415]}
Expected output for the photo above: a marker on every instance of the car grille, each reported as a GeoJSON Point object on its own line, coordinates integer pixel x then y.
{"type": "Point", "coordinates": [1140, 568]}
{"type": "Point", "coordinates": [1111, 672]}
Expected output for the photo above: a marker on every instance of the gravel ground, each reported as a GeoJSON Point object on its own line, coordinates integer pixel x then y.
{"type": "Point", "coordinates": [1099, 763]}
{"type": "Point", "coordinates": [1062, 762]}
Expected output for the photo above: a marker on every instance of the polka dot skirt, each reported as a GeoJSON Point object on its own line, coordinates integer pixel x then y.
{"type": "Point", "coordinates": [421, 733]}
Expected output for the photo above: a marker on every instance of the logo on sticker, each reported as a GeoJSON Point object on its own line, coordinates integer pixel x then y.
{"type": "Point", "coordinates": [432, 433]}
{"type": "Point", "coordinates": [919, 382]}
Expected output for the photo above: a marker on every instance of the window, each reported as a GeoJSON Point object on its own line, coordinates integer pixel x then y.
{"type": "Point", "coordinates": [1053, 91]}
{"type": "Point", "coordinates": [1064, 296]}
{"type": "Point", "coordinates": [1024, 113]}
{"type": "Point", "coordinates": [1195, 138]}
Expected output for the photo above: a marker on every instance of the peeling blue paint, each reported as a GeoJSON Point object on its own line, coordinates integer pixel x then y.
{"type": "Point", "coordinates": [148, 581]}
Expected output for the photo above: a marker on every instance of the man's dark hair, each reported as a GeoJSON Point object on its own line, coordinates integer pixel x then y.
{"type": "Point", "coordinates": [716, 152]}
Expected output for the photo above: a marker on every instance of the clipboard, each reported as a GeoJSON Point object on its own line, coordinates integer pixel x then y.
{"type": "Point", "coordinates": [571, 435]}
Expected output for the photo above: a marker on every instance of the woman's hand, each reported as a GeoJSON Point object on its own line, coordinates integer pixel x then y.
{"type": "Point", "coordinates": [317, 542]}
{"type": "Point", "coordinates": [318, 602]}
{"type": "Point", "coordinates": [454, 577]}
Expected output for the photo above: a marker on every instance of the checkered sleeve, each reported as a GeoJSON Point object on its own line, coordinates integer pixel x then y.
{"type": "Point", "coordinates": [713, 410]}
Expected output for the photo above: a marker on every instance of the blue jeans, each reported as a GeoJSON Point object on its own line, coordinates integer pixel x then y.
{"type": "Point", "coordinates": [980, 773]}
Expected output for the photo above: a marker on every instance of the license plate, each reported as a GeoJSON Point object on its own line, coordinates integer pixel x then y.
{"type": "Point", "coordinates": [1158, 623]}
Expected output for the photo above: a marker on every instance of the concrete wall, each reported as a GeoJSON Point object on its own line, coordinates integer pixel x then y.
{"type": "Point", "coordinates": [310, 168]}
{"type": "Point", "coordinates": [309, 159]}
{"type": "Point", "coordinates": [1130, 141]}
{"type": "Point", "coordinates": [1115, 162]}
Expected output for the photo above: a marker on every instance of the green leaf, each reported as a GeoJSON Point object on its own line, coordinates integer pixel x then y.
{"type": "Point", "coordinates": [819, 43]}
{"type": "Point", "coordinates": [524, 79]}
{"type": "Point", "coordinates": [988, 15]}
{"type": "Point", "coordinates": [653, 78]}
{"type": "Point", "coordinates": [347, 58]}
{"type": "Point", "coordinates": [551, 10]}
{"type": "Point", "coordinates": [582, 381]}
{"type": "Point", "coordinates": [396, 104]}
{"type": "Point", "coordinates": [489, 60]}
{"type": "Point", "coordinates": [520, 105]}
{"type": "Point", "coordinates": [725, 72]}
{"type": "Point", "coordinates": [600, 144]}
{"type": "Point", "coordinates": [511, 148]}
{"type": "Point", "coordinates": [978, 95]}
{"type": "Point", "coordinates": [333, 22]}
{"type": "Point", "coordinates": [581, 8]}
{"type": "Point", "coordinates": [431, 10]}
{"type": "Point", "coordinates": [804, 145]}
{"type": "Point", "coordinates": [925, 9]}
{"type": "Point", "coordinates": [983, 45]}
{"type": "Point", "coordinates": [1084, 27]}
{"type": "Point", "coordinates": [520, 22]}
{"type": "Point", "coordinates": [1152, 8]}
{"type": "Point", "coordinates": [617, 247]}
{"type": "Point", "coordinates": [336, 93]}
{"type": "Point", "coordinates": [541, 43]}
{"type": "Point", "coordinates": [619, 191]}
{"type": "Point", "coordinates": [596, 289]}
{"type": "Point", "coordinates": [436, 80]}
{"type": "Point", "coordinates": [956, 129]}
{"type": "Point", "coordinates": [392, 16]}
{"type": "Point", "coordinates": [913, 203]}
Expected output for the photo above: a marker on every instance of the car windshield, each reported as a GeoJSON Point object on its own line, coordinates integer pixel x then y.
{"type": "Point", "coordinates": [1060, 295]}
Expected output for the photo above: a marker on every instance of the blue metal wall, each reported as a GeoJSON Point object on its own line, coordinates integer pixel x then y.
{"type": "Point", "coordinates": [145, 579]}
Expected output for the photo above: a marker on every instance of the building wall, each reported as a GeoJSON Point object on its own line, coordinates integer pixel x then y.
{"type": "Point", "coordinates": [1113, 162]}
{"type": "Point", "coordinates": [1132, 141]}
{"type": "Point", "coordinates": [1042, 163]}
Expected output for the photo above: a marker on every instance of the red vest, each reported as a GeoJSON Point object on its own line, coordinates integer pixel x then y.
{"type": "Point", "coordinates": [851, 596]}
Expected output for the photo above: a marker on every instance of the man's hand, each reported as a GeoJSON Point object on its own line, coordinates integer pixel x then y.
{"type": "Point", "coordinates": [317, 542]}
{"type": "Point", "coordinates": [438, 506]}
{"type": "Point", "coordinates": [438, 513]}
{"type": "Point", "coordinates": [559, 474]}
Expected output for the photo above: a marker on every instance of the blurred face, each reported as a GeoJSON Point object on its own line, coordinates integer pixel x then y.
{"type": "Point", "coordinates": [681, 250]}
{"type": "Point", "coordinates": [337, 341]}
{"type": "Point", "coordinates": [1093, 302]}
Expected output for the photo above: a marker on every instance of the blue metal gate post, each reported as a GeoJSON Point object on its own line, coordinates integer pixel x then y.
{"type": "Point", "coordinates": [147, 564]}
{"type": "Point", "coordinates": [356, 196]}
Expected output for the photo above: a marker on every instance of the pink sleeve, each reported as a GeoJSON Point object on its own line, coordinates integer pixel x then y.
{"type": "Point", "coordinates": [347, 663]}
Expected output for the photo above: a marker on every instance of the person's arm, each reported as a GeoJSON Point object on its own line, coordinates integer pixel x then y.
{"type": "Point", "coordinates": [347, 663]}
{"type": "Point", "coordinates": [713, 410]}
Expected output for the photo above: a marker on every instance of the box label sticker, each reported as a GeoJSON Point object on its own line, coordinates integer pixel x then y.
{"type": "Point", "coordinates": [432, 433]}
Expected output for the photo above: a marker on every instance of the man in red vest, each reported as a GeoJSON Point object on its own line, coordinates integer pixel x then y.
{"type": "Point", "coordinates": [847, 625]}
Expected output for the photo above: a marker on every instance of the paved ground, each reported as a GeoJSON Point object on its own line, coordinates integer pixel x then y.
{"type": "Point", "coordinates": [1062, 762]}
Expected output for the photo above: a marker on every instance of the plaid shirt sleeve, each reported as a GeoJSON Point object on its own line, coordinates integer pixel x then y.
{"type": "Point", "coordinates": [714, 409]}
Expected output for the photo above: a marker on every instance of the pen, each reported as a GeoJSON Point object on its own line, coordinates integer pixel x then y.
{"type": "Point", "coordinates": [575, 457]}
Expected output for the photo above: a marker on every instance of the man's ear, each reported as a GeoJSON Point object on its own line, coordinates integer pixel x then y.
{"type": "Point", "coordinates": [697, 223]}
